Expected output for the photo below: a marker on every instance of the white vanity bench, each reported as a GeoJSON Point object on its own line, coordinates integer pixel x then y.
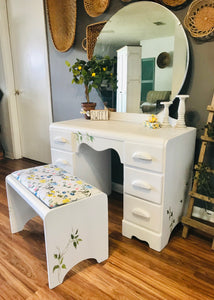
{"type": "Point", "coordinates": [157, 169]}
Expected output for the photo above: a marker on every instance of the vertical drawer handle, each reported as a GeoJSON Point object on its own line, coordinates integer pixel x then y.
{"type": "Point", "coordinates": [142, 155]}
{"type": "Point", "coordinates": [141, 213]}
{"type": "Point", "coordinates": [60, 140]}
{"type": "Point", "coordinates": [62, 161]}
{"type": "Point", "coordinates": [141, 184]}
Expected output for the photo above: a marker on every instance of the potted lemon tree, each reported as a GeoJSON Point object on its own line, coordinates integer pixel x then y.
{"type": "Point", "coordinates": [93, 74]}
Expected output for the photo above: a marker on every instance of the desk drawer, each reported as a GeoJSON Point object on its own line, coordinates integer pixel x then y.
{"type": "Point", "coordinates": [61, 139]}
{"type": "Point", "coordinates": [142, 213]}
{"type": "Point", "coordinates": [144, 156]}
{"type": "Point", "coordinates": [143, 184]}
{"type": "Point", "coordinates": [63, 159]}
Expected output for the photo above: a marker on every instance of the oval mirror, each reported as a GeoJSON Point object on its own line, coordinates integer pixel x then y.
{"type": "Point", "coordinates": [152, 54]}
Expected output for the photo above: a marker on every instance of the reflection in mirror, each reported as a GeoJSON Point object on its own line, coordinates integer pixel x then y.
{"type": "Point", "coordinates": [152, 54]}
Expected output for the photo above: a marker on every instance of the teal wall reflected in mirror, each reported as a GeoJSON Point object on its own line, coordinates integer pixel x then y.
{"type": "Point", "coordinates": [147, 76]}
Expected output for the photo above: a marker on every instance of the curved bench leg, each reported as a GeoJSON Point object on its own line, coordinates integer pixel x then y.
{"type": "Point", "coordinates": [19, 211]}
{"type": "Point", "coordinates": [75, 232]}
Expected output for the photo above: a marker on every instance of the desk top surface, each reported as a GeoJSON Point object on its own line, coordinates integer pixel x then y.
{"type": "Point", "coordinates": [121, 130]}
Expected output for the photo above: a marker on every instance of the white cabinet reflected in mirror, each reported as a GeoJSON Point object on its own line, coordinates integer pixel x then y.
{"type": "Point", "coordinates": [152, 57]}
{"type": "Point", "coordinates": [128, 79]}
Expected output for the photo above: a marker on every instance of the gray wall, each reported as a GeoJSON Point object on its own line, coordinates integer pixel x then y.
{"type": "Point", "coordinates": [67, 97]}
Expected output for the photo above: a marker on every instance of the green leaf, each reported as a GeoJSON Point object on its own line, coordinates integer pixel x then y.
{"type": "Point", "coordinates": [63, 266]}
{"type": "Point", "coordinates": [75, 244]}
{"type": "Point", "coordinates": [81, 80]}
{"type": "Point", "coordinates": [89, 88]}
{"type": "Point", "coordinates": [72, 236]}
{"type": "Point", "coordinates": [55, 267]}
{"type": "Point", "coordinates": [67, 63]}
{"type": "Point", "coordinates": [55, 256]}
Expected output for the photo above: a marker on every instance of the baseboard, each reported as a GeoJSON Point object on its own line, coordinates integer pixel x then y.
{"type": "Point", "coordinates": [201, 213]}
{"type": "Point", "coordinates": [117, 187]}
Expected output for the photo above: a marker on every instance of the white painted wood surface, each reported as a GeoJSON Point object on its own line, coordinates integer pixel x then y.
{"type": "Point", "coordinates": [88, 215]}
{"type": "Point", "coordinates": [157, 169]}
{"type": "Point", "coordinates": [31, 115]}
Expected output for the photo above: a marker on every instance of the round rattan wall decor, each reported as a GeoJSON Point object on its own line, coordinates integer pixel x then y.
{"type": "Point", "coordinates": [95, 8]}
{"type": "Point", "coordinates": [62, 22]}
{"type": "Point", "coordinates": [199, 20]}
{"type": "Point", "coordinates": [163, 60]}
{"type": "Point", "coordinates": [175, 4]}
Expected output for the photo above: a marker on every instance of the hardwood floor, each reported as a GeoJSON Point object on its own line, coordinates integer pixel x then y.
{"type": "Point", "coordinates": [183, 270]}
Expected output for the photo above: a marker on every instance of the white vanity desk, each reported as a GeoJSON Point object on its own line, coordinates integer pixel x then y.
{"type": "Point", "coordinates": [157, 169]}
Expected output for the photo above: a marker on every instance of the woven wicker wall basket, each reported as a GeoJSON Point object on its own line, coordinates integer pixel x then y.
{"type": "Point", "coordinates": [199, 20]}
{"type": "Point", "coordinates": [95, 8]}
{"type": "Point", "coordinates": [62, 22]}
{"type": "Point", "coordinates": [175, 4]}
{"type": "Point", "coordinates": [92, 32]}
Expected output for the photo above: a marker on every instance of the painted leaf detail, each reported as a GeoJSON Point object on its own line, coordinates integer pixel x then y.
{"type": "Point", "coordinates": [55, 267]}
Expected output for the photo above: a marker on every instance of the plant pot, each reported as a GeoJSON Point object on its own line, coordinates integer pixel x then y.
{"type": "Point", "coordinates": [87, 106]}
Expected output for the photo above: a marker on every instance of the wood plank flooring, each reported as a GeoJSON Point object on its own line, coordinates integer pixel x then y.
{"type": "Point", "coordinates": [183, 270]}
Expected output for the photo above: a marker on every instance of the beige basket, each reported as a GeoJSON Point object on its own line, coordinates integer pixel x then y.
{"type": "Point", "coordinates": [92, 32]}
{"type": "Point", "coordinates": [95, 8]}
{"type": "Point", "coordinates": [62, 22]}
{"type": "Point", "coordinates": [199, 20]}
{"type": "Point", "coordinates": [176, 4]}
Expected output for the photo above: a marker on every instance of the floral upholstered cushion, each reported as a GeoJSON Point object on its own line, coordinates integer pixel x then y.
{"type": "Point", "coordinates": [54, 186]}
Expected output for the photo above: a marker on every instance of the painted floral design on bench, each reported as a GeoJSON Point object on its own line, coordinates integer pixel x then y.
{"type": "Point", "coordinates": [54, 186]}
{"type": "Point", "coordinates": [73, 240]}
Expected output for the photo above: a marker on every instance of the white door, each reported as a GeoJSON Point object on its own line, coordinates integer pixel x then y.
{"type": "Point", "coordinates": [31, 76]}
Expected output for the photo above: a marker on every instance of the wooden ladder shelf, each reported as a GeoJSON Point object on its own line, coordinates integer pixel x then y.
{"type": "Point", "coordinates": [187, 220]}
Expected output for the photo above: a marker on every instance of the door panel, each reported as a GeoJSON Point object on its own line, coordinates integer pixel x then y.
{"type": "Point", "coordinates": [31, 75]}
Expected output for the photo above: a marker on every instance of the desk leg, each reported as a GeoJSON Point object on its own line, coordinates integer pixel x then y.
{"type": "Point", "coordinates": [94, 167]}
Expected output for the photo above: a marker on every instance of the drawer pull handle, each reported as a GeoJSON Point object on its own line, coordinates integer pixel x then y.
{"type": "Point", "coordinates": [60, 140]}
{"type": "Point", "coordinates": [62, 161]}
{"type": "Point", "coordinates": [141, 184]}
{"type": "Point", "coordinates": [141, 213]}
{"type": "Point", "coordinates": [142, 156]}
